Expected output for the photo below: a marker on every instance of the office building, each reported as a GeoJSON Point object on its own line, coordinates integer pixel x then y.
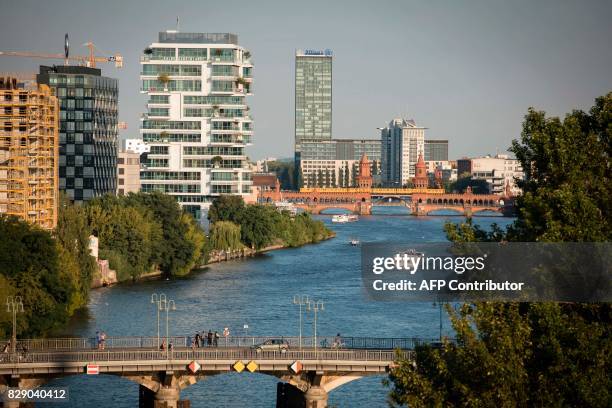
{"type": "Point", "coordinates": [313, 97]}
{"type": "Point", "coordinates": [436, 150]}
{"type": "Point", "coordinates": [29, 152]}
{"type": "Point", "coordinates": [128, 172]}
{"type": "Point", "coordinates": [402, 141]}
{"type": "Point", "coordinates": [197, 123]}
{"type": "Point", "coordinates": [88, 129]}
{"type": "Point", "coordinates": [499, 171]}
{"type": "Point", "coordinates": [335, 163]}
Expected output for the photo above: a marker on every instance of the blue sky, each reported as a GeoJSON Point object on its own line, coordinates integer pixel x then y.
{"type": "Point", "coordinates": [467, 70]}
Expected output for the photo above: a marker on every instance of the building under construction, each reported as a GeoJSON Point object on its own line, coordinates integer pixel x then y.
{"type": "Point", "coordinates": [29, 152]}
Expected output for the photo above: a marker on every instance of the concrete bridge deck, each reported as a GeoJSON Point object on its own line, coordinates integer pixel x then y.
{"type": "Point", "coordinates": [312, 373]}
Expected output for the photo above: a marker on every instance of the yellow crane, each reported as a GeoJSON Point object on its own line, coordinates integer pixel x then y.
{"type": "Point", "coordinates": [85, 60]}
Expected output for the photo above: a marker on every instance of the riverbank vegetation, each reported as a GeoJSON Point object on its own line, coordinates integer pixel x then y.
{"type": "Point", "coordinates": [262, 225]}
{"type": "Point", "coordinates": [138, 234]}
{"type": "Point", "coordinates": [532, 354]}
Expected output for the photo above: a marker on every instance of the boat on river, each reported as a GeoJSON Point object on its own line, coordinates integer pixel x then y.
{"type": "Point", "coordinates": [343, 218]}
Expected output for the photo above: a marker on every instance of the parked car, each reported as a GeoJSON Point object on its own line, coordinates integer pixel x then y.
{"type": "Point", "coordinates": [272, 345]}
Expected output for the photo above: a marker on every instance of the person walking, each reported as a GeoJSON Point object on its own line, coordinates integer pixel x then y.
{"type": "Point", "coordinates": [216, 339]}
{"type": "Point", "coordinates": [209, 338]}
{"type": "Point", "coordinates": [197, 340]}
{"type": "Point", "coordinates": [102, 340]}
{"type": "Point", "coordinates": [98, 340]}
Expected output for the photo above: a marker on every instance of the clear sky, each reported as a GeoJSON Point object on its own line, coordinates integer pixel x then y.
{"type": "Point", "coordinates": [467, 70]}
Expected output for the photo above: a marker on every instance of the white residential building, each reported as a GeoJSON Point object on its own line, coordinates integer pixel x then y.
{"type": "Point", "coordinates": [498, 171]}
{"type": "Point", "coordinates": [136, 146]}
{"type": "Point", "coordinates": [197, 122]}
{"type": "Point", "coordinates": [402, 141]}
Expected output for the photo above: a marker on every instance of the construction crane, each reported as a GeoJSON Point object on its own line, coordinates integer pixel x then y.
{"type": "Point", "coordinates": [85, 60]}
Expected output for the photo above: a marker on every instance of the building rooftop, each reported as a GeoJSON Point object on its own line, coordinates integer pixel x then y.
{"type": "Point", "coordinates": [197, 38]}
{"type": "Point", "coordinates": [70, 69]}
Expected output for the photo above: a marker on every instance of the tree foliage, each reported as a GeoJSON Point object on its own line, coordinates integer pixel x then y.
{"type": "Point", "coordinates": [262, 225]}
{"type": "Point", "coordinates": [532, 354]}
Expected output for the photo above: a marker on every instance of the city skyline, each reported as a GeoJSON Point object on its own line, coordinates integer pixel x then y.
{"type": "Point", "coordinates": [475, 73]}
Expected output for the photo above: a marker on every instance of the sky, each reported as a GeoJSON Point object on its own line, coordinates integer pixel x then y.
{"type": "Point", "coordinates": [466, 70]}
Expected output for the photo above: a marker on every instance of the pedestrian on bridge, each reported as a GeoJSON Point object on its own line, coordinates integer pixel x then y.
{"type": "Point", "coordinates": [216, 339]}
{"type": "Point", "coordinates": [209, 338]}
{"type": "Point", "coordinates": [197, 340]}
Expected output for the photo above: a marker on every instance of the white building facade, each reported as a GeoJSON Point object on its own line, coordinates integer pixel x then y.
{"type": "Point", "coordinates": [498, 171]}
{"type": "Point", "coordinates": [197, 123]}
{"type": "Point", "coordinates": [136, 146]}
{"type": "Point", "coordinates": [402, 141]}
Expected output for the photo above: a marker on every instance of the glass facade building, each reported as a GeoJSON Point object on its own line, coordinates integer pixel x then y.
{"type": "Point", "coordinates": [197, 123]}
{"type": "Point", "coordinates": [341, 149]}
{"type": "Point", "coordinates": [88, 129]}
{"type": "Point", "coordinates": [313, 96]}
{"type": "Point", "coordinates": [436, 150]}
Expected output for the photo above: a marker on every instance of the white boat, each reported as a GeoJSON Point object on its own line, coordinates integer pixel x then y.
{"type": "Point", "coordinates": [340, 218]}
{"type": "Point", "coordinates": [353, 217]}
{"type": "Point", "coordinates": [354, 242]}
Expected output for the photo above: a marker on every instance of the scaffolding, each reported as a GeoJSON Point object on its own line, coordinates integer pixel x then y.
{"type": "Point", "coordinates": [29, 152]}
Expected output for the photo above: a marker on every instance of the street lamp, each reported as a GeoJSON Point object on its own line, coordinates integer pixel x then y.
{"type": "Point", "coordinates": [168, 306]}
{"type": "Point", "coordinates": [158, 300]}
{"type": "Point", "coordinates": [300, 300]}
{"type": "Point", "coordinates": [315, 306]}
{"type": "Point", "coordinates": [14, 305]}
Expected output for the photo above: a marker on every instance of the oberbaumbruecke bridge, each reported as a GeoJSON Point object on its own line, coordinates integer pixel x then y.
{"type": "Point", "coordinates": [312, 373]}
{"type": "Point", "coordinates": [419, 201]}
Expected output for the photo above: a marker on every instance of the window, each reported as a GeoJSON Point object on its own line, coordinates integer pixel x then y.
{"type": "Point", "coordinates": [192, 54]}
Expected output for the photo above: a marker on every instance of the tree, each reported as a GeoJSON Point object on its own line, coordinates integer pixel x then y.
{"type": "Point", "coordinates": [532, 354]}
{"type": "Point", "coordinates": [345, 182]}
{"type": "Point", "coordinates": [226, 208]}
{"type": "Point", "coordinates": [257, 227]}
{"type": "Point", "coordinates": [479, 186]}
{"type": "Point", "coordinates": [333, 178]}
{"type": "Point", "coordinates": [225, 235]}
{"type": "Point", "coordinates": [354, 172]}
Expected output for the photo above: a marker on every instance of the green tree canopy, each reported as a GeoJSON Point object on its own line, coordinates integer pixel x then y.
{"type": "Point", "coordinates": [532, 354]}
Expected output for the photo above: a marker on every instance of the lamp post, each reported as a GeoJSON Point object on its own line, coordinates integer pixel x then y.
{"type": "Point", "coordinates": [315, 306]}
{"type": "Point", "coordinates": [14, 304]}
{"type": "Point", "coordinates": [300, 300]}
{"type": "Point", "coordinates": [158, 300]}
{"type": "Point", "coordinates": [168, 306]}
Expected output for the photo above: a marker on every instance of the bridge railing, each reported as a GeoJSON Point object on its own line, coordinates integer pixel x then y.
{"type": "Point", "coordinates": [209, 355]}
{"type": "Point", "coordinates": [293, 342]}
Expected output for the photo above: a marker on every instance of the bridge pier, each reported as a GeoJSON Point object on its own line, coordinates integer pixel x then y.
{"type": "Point", "coordinates": [315, 397]}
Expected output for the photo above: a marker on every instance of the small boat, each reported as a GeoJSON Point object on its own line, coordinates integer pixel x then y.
{"type": "Point", "coordinates": [352, 217]}
{"type": "Point", "coordinates": [340, 218]}
{"type": "Point", "coordinates": [354, 242]}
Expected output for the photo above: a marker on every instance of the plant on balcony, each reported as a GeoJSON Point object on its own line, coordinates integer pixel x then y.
{"type": "Point", "coordinates": [215, 109]}
{"type": "Point", "coordinates": [164, 136]}
{"type": "Point", "coordinates": [241, 81]}
{"type": "Point", "coordinates": [216, 161]}
{"type": "Point", "coordinates": [247, 55]}
{"type": "Point", "coordinates": [164, 79]}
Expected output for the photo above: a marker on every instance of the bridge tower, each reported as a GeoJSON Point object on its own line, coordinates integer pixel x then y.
{"type": "Point", "coordinates": [364, 179]}
{"type": "Point", "coordinates": [420, 179]}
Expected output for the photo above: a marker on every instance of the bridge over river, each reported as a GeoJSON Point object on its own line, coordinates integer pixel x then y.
{"type": "Point", "coordinates": [308, 373]}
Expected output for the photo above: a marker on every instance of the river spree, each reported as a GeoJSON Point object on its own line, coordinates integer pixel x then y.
{"type": "Point", "coordinates": [259, 292]}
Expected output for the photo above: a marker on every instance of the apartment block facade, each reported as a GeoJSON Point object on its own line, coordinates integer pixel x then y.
{"type": "Point", "coordinates": [197, 123]}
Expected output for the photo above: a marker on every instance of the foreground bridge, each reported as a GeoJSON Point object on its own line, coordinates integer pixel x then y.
{"type": "Point", "coordinates": [310, 372]}
{"type": "Point", "coordinates": [419, 201]}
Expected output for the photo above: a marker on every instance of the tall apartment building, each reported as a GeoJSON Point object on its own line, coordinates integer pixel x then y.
{"type": "Point", "coordinates": [88, 129]}
{"type": "Point", "coordinates": [313, 97]}
{"type": "Point", "coordinates": [197, 122]}
{"type": "Point", "coordinates": [402, 141]}
{"type": "Point", "coordinates": [29, 152]}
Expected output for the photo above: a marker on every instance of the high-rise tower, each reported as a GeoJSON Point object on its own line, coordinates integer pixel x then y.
{"type": "Point", "coordinates": [197, 122]}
